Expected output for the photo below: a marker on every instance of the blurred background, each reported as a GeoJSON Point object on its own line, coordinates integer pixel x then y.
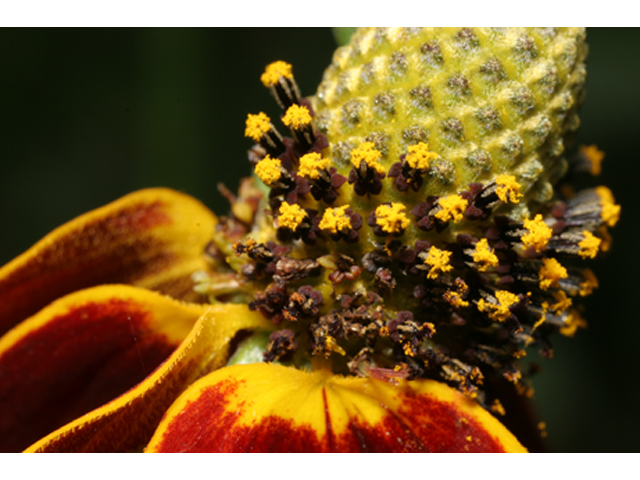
{"type": "Point", "coordinates": [90, 115]}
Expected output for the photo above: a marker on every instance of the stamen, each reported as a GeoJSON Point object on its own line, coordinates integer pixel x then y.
{"type": "Point", "coordinates": [298, 120]}
{"type": "Point", "coordinates": [368, 154]}
{"type": "Point", "coordinates": [572, 323]}
{"type": "Point", "coordinates": [438, 260]}
{"type": "Point", "coordinates": [291, 216]}
{"type": "Point", "coordinates": [269, 170]}
{"type": "Point", "coordinates": [499, 311]}
{"type": "Point", "coordinates": [452, 207]}
{"type": "Point", "coordinates": [610, 211]}
{"type": "Point", "coordinates": [312, 164]}
{"type": "Point", "coordinates": [279, 78]}
{"type": "Point", "coordinates": [335, 220]}
{"type": "Point", "coordinates": [391, 218]}
{"type": "Point", "coordinates": [590, 283]}
{"type": "Point", "coordinates": [550, 273]}
{"type": "Point", "coordinates": [539, 233]}
{"type": "Point", "coordinates": [419, 156]}
{"type": "Point", "coordinates": [508, 190]}
{"type": "Point", "coordinates": [594, 156]}
{"type": "Point", "coordinates": [590, 246]}
{"type": "Point", "coordinates": [260, 129]}
{"type": "Point", "coordinates": [484, 256]}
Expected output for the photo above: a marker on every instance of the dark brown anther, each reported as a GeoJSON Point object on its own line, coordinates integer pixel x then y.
{"type": "Point", "coordinates": [384, 281]}
{"type": "Point", "coordinates": [289, 269]}
{"type": "Point", "coordinates": [281, 346]}
{"type": "Point", "coordinates": [305, 303]}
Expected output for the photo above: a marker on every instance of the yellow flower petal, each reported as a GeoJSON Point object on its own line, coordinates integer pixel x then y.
{"type": "Point", "coordinates": [272, 408]}
{"type": "Point", "coordinates": [152, 238]}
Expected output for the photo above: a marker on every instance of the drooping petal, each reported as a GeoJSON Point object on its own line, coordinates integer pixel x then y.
{"type": "Point", "coordinates": [271, 408]}
{"type": "Point", "coordinates": [152, 238]}
{"type": "Point", "coordinates": [91, 346]}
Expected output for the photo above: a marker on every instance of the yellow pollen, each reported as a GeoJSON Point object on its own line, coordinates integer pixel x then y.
{"type": "Point", "coordinates": [610, 211]}
{"type": "Point", "coordinates": [562, 303]}
{"type": "Point", "coordinates": [438, 260]}
{"type": "Point", "coordinates": [589, 284]}
{"type": "Point", "coordinates": [332, 345]}
{"type": "Point", "coordinates": [500, 311]}
{"type": "Point", "coordinates": [297, 117]}
{"type": "Point", "coordinates": [539, 233]}
{"type": "Point", "coordinates": [311, 164]}
{"type": "Point", "coordinates": [257, 126]}
{"type": "Point", "coordinates": [335, 220]}
{"type": "Point", "coordinates": [419, 156]}
{"type": "Point", "coordinates": [268, 170]}
{"type": "Point", "coordinates": [594, 156]}
{"type": "Point", "coordinates": [391, 218]}
{"type": "Point", "coordinates": [291, 216]}
{"type": "Point", "coordinates": [367, 152]}
{"type": "Point", "coordinates": [274, 71]}
{"type": "Point", "coordinates": [508, 190]}
{"type": "Point", "coordinates": [455, 299]}
{"type": "Point", "coordinates": [408, 351]}
{"type": "Point", "coordinates": [484, 256]}
{"type": "Point", "coordinates": [590, 245]}
{"type": "Point", "coordinates": [572, 323]}
{"type": "Point", "coordinates": [550, 273]}
{"type": "Point", "coordinates": [452, 207]}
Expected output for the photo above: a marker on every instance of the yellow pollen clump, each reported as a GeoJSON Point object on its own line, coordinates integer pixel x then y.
{"type": "Point", "coordinates": [508, 190]}
{"type": "Point", "coordinates": [438, 260]}
{"type": "Point", "coordinates": [452, 207]}
{"type": "Point", "coordinates": [419, 156]}
{"type": "Point", "coordinates": [610, 211]}
{"type": "Point", "coordinates": [500, 311]}
{"type": "Point", "coordinates": [571, 324]}
{"type": "Point", "coordinates": [391, 218]}
{"type": "Point", "coordinates": [291, 216]}
{"type": "Point", "coordinates": [367, 153]}
{"type": "Point", "coordinates": [551, 272]}
{"type": "Point", "coordinates": [590, 245]}
{"type": "Point", "coordinates": [297, 117]}
{"type": "Point", "coordinates": [455, 299]}
{"type": "Point", "coordinates": [589, 284]}
{"type": "Point", "coordinates": [539, 233]}
{"type": "Point", "coordinates": [268, 170]}
{"type": "Point", "coordinates": [484, 256]}
{"type": "Point", "coordinates": [274, 71]}
{"type": "Point", "coordinates": [311, 164]}
{"type": "Point", "coordinates": [594, 156]}
{"type": "Point", "coordinates": [335, 219]}
{"type": "Point", "coordinates": [257, 126]}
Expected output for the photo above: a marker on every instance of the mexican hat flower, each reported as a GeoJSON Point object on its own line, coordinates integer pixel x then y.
{"type": "Point", "coordinates": [374, 287]}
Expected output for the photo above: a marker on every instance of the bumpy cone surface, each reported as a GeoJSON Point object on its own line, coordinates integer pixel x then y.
{"type": "Point", "coordinates": [414, 225]}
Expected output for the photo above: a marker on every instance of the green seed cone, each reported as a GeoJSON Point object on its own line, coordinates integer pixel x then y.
{"type": "Point", "coordinates": [488, 101]}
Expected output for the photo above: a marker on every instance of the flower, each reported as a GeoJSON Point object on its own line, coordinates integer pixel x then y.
{"type": "Point", "coordinates": [402, 334]}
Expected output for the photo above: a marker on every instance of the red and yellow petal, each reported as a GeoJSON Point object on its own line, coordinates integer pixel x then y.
{"type": "Point", "coordinates": [271, 408]}
{"type": "Point", "coordinates": [152, 238]}
{"type": "Point", "coordinates": [88, 348]}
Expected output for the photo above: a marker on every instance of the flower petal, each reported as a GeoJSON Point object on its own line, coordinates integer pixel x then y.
{"type": "Point", "coordinates": [89, 347]}
{"type": "Point", "coordinates": [152, 238]}
{"type": "Point", "coordinates": [271, 408]}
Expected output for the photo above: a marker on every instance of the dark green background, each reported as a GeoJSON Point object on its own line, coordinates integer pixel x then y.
{"type": "Point", "coordinates": [89, 115]}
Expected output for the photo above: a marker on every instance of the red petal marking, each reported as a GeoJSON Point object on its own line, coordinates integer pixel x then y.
{"type": "Point", "coordinates": [128, 422]}
{"type": "Point", "coordinates": [74, 363]}
{"type": "Point", "coordinates": [142, 239]}
{"type": "Point", "coordinates": [210, 417]}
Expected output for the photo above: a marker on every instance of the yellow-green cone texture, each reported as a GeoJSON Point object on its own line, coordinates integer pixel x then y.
{"type": "Point", "coordinates": [487, 100]}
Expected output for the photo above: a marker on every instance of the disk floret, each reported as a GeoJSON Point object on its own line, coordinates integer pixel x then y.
{"type": "Point", "coordinates": [461, 263]}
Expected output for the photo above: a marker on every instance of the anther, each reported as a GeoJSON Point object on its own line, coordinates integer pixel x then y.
{"type": "Point", "coordinates": [484, 256]}
{"type": "Point", "coordinates": [389, 219]}
{"type": "Point", "coordinates": [498, 307]}
{"type": "Point", "coordinates": [538, 233]}
{"type": "Point", "coordinates": [367, 171]}
{"type": "Point", "coordinates": [298, 120]}
{"type": "Point", "coordinates": [551, 273]}
{"type": "Point", "coordinates": [410, 170]}
{"type": "Point", "coordinates": [260, 129]}
{"type": "Point", "coordinates": [452, 207]}
{"type": "Point", "coordinates": [589, 246]}
{"type": "Point", "coordinates": [279, 79]}
{"type": "Point", "coordinates": [438, 261]}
